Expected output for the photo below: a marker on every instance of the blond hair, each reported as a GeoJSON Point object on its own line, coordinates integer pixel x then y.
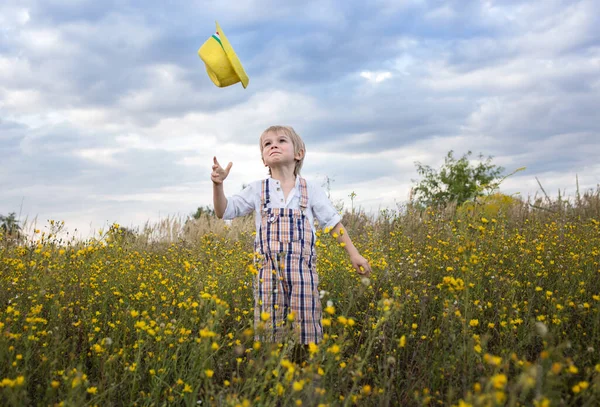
{"type": "Point", "coordinates": [297, 142]}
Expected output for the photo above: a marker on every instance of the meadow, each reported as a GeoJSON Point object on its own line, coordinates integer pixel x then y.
{"type": "Point", "coordinates": [488, 304]}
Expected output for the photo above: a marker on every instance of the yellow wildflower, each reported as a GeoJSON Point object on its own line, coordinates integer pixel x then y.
{"type": "Point", "coordinates": [499, 381]}
{"type": "Point", "coordinates": [402, 342]}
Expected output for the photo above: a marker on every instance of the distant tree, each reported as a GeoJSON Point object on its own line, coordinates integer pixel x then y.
{"type": "Point", "coordinates": [203, 211]}
{"type": "Point", "coordinates": [9, 224]}
{"type": "Point", "coordinates": [456, 181]}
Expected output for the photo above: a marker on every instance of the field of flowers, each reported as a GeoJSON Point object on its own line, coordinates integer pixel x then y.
{"type": "Point", "coordinates": [487, 306]}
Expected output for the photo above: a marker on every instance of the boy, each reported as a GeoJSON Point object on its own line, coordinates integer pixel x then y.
{"type": "Point", "coordinates": [285, 289]}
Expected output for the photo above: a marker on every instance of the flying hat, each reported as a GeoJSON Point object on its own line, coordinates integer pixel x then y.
{"type": "Point", "coordinates": [222, 64]}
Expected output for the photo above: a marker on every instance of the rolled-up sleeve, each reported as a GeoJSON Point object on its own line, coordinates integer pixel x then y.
{"type": "Point", "coordinates": [240, 204]}
{"type": "Point", "coordinates": [322, 208]}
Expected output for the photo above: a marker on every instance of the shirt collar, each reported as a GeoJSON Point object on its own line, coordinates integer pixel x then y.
{"type": "Point", "coordinates": [297, 181]}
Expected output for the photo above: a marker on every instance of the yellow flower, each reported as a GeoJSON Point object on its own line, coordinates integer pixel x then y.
{"type": "Point", "coordinates": [76, 382]}
{"type": "Point", "coordinates": [207, 333]}
{"type": "Point", "coordinates": [366, 389]}
{"type": "Point", "coordinates": [544, 402]}
{"type": "Point", "coordinates": [209, 373]}
{"type": "Point", "coordinates": [298, 385]}
{"type": "Point", "coordinates": [474, 322]}
{"type": "Point", "coordinates": [402, 342]}
{"type": "Point", "coordinates": [333, 349]}
{"type": "Point", "coordinates": [92, 390]}
{"type": "Point", "coordinates": [492, 360]}
{"type": "Point", "coordinates": [330, 310]}
{"type": "Point", "coordinates": [498, 381]}
{"type": "Point", "coordinates": [556, 368]}
{"type": "Point", "coordinates": [264, 316]}
{"type": "Point", "coordinates": [187, 388]}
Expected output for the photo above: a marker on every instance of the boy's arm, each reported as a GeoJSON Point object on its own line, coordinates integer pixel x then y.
{"type": "Point", "coordinates": [218, 175]}
{"type": "Point", "coordinates": [219, 200]}
{"type": "Point", "coordinates": [361, 264]}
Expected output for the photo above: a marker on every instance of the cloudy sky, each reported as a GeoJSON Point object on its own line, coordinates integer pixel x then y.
{"type": "Point", "coordinates": [107, 114]}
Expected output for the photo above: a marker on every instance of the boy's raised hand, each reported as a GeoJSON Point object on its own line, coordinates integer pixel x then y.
{"type": "Point", "coordinates": [219, 174]}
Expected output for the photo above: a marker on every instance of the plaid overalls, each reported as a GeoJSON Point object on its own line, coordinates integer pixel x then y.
{"type": "Point", "coordinates": [287, 277]}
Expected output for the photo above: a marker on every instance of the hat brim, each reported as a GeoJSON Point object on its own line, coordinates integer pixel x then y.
{"type": "Point", "coordinates": [233, 58]}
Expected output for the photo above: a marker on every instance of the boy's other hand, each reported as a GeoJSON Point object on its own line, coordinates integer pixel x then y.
{"type": "Point", "coordinates": [361, 265]}
{"type": "Point", "coordinates": [219, 174]}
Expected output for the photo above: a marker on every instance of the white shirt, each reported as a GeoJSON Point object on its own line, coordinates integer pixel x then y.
{"type": "Point", "coordinates": [248, 200]}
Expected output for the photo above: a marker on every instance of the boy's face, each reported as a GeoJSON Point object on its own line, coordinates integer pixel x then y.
{"type": "Point", "coordinates": [278, 150]}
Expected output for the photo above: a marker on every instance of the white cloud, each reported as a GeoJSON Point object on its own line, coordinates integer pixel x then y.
{"type": "Point", "coordinates": [19, 100]}
{"type": "Point", "coordinates": [13, 17]}
{"type": "Point", "coordinates": [105, 156]}
{"type": "Point", "coordinates": [555, 32]}
{"type": "Point", "coordinates": [376, 77]}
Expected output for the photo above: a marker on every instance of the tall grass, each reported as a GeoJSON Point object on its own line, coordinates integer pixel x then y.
{"type": "Point", "coordinates": [493, 303]}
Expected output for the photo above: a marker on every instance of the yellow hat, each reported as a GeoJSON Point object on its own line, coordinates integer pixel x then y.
{"type": "Point", "coordinates": [222, 64]}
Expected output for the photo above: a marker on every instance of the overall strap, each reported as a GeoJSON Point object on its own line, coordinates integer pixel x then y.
{"type": "Point", "coordinates": [303, 194]}
{"type": "Point", "coordinates": [264, 195]}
